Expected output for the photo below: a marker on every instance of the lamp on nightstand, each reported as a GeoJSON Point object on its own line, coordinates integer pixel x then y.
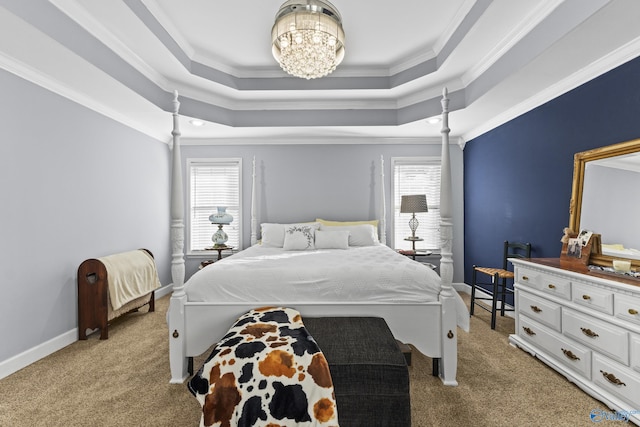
{"type": "Point", "coordinates": [220, 218]}
{"type": "Point", "coordinates": [413, 204]}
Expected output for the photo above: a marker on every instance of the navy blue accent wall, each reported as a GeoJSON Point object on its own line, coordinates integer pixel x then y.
{"type": "Point", "coordinates": [517, 177]}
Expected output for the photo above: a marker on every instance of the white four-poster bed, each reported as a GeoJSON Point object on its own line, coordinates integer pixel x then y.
{"type": "Point", "coordinates": [430, 326]}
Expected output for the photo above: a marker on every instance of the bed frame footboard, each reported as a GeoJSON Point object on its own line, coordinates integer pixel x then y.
{"type": "Point", "coordinates": [430, 327]}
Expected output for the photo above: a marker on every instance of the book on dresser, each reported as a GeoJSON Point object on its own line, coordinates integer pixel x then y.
{"type": "Point", "coordinates": [584, 325]}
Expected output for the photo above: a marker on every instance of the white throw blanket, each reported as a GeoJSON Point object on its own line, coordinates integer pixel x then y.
{"type": "Point", "coordinates": [130, 275]}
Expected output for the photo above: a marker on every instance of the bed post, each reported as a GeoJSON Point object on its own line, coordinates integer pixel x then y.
{"type": "Point", "coordinates": [383, 205]}
{"type": "Point", "coordinates": [177, 349]}
{"type": "Point", "coordinates": [449, 362]}
{"type": "Point", "coordinates": [254, 220]}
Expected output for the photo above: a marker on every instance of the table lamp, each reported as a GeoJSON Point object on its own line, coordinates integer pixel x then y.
{"type": "Point", "coordinates": [220, 218]}
{"type": "Point", "coordinates": [413, 204]}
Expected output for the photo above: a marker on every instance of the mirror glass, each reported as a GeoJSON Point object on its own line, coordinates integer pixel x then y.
{"type": "Point", "coordinates": [605, 199]}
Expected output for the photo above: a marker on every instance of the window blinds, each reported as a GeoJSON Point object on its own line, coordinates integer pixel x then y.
{"type": "Point", "coordinates": [417, 176]}
{"type": "Point", "coordinates": [213, 183]}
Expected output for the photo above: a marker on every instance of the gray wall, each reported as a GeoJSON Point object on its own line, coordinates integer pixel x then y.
{"type": "Point", "coordinates": [336, 182]}
{"type": "Point", "coordinates": [78, 185]}
{"type": "Point", "coordinates": [74, 185]}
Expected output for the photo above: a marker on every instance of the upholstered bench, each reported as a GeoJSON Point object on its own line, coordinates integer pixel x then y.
{"type": "Point", "coordinates": [369, 372]}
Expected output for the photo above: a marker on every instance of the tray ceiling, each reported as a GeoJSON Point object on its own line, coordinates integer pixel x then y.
{"type": "Point", "coordinates": [498, 59]}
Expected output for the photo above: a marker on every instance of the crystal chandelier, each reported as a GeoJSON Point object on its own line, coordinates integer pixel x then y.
{"type": "Point", "coordinates": [307, 38]}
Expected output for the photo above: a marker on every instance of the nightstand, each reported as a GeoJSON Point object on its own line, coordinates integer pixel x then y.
{"type": "Point", "coordinates": [413, 241]}
{"type": "Point", "coordinates": [413, 254]}
{"type": "Point", "coordinates": [219, 249]}
{"type": "Point", "coordinates": [203, 264]}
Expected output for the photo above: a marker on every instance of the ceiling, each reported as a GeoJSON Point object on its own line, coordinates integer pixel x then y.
{"type": "Point", "coordinates": [498, 59]}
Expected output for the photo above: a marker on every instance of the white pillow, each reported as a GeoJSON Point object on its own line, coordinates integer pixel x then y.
{"type": "Point", "coordinates": [332, 239]}
{"type": "Point", "coordinates": [299, 237]}
{"type": "Point", "coordinates": [359, 235]}
{"type": "Point", "coordinates": [272, 235]}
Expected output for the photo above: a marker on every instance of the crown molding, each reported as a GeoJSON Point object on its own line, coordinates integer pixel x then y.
{"type": "Point", "coordinates": [315, 140]}
{"type": "Point", "coordinates": [36, 77]}
{"type": "Point", "coordinates": [92, 26]}
{"type": "Point", "coordinates": [511, 39]}
{"type": "Point", "coordinates": [597, 68]}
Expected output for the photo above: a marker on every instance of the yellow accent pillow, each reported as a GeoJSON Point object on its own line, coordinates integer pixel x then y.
{"type": "Point", "coordinates": [327, 223]}
{"type": "Point", "coordinates": [373, 222]}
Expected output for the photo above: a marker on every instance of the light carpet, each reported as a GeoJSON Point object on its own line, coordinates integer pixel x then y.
{"type": "Point", "coordinates": [124, 381]}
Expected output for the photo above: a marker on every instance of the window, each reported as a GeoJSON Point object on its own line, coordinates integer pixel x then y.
{"type": "Point", "coordinates": [417, 175]}
{"type": "Point", "coordinates": [213, 183]}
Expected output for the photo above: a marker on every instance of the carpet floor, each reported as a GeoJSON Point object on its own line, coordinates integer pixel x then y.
{"type": "Point", "coordinates": [124, 381]}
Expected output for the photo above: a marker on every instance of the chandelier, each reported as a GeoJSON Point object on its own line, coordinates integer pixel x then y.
{"type": "Point", "coordinates": [307, 38]}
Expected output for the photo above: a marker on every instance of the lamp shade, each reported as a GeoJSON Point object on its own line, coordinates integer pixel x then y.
{"type": "Point", "coordinates": [413, 203]}
{"type": "Point", "coordinates": [221, 217]}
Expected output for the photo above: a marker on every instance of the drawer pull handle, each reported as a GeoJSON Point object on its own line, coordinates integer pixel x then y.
{"type": "Point", "coordinates": [588, 332]}
{"type": "Point", "coordinates": [570, 355]}
{"type": "Point", "coordinates": [525, 278]}
{"type": "Point", "coordinates": [536, 309]}
{"type": "Point", "coordinates": [633, 312]}
{"type": "Point", "coordinates": [612, 378]}
{"type": "Point", "coordinates": [552, 286]}
{"type": "Point", "coordinates": [528, 331]}
{"type": "Point", "coordinates": [586, 297]}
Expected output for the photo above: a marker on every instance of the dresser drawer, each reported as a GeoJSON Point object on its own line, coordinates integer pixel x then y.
{"type": "Point", "coordinates": [627, 308]}
{"type": "Point", "coordinates": [604, 337]}
{"type": "Point", "coordinates": [572, 355]}
{"type": "Point", "coordinates": [540, 309]}
{"type": "Point", "coordinates": [526, 277]}
{"type": "Point", "coordinates": [616, 379]}
{"type": "Point", "coordinates": [553, 285]}
{"type": "Point", "coordinates": [635, 352]}
{"type": "Point", "coordinates": [547, 283]}
{"type": "Point", "coordinates": [597, 299]}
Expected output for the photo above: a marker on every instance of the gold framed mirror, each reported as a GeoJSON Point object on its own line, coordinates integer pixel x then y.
{"type": "Point", "coordinates": [580, 162]}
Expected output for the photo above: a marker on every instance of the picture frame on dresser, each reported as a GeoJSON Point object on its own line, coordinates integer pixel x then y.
{"type": "Point", "coordinates": [578, 248]}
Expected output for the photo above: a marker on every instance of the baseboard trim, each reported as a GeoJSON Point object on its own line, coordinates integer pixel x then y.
{"type": "Point", "coordinates": [165, 290]}
{"type": "Point", "coordinates": [462, 287]}
{"type": "Point", "coordinates": [32, 355]}
{"type": "Point", "coordinates": [26, 358]}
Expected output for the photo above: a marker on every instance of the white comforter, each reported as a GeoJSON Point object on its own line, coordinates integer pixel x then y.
{"type": "Point", "coordinates": [358, 274]}
{"type": "Point", "coordinates": [368, 273]}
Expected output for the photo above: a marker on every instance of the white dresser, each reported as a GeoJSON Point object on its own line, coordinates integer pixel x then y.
{"type": "Point", "coordinates": [585, 325]}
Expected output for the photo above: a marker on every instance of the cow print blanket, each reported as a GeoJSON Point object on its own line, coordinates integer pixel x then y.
{"type": "Point", "coordinates": [267, 371]}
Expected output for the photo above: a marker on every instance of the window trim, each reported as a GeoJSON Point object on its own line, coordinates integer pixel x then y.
{"type": "Point", "coordinates": [407, 161]}
{"type": "Point", "coordinates": [191, 162]}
